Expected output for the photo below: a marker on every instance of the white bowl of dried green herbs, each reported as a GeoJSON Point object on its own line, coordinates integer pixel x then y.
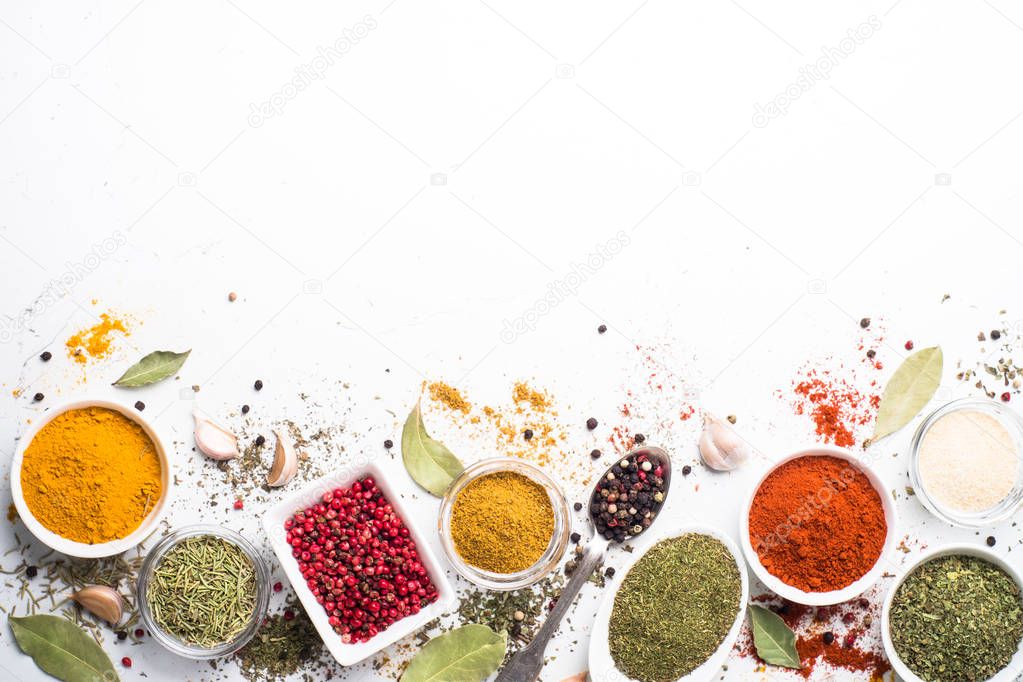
{"type": "Point", "coordinates": [677, 612]}
{"type": "Point", "coordinates": [203, 591]}
{"type": "Point", "coordinates": [954, 614]}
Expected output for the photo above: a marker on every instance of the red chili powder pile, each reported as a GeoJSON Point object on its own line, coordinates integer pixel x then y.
{"type": "Point", "coordinates": [835, 405]}
{"type": "Point", "coordinates": [817, 523]}
{"type": "Point", "coordinates": [845, 636]}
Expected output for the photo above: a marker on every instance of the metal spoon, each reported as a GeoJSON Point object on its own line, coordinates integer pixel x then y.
{"type": "Point", "coordinates": [525, 665]}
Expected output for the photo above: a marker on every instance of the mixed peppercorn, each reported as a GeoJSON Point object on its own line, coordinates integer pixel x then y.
{"type": "Point", "coordinates": [627, 499]}
{"type": "Point", "coordinates": [359, 561]}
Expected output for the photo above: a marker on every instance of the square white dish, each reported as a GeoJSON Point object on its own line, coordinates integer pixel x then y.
{"type": "Point", "coordinates": [273, 523]}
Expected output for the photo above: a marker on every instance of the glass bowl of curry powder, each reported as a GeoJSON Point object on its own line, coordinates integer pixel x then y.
{"type": "Point", "coordinates": [504, 523]}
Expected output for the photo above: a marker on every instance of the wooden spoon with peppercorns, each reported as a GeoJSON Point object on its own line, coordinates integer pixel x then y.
{"type": "Point", "coordinates": [623, 503]}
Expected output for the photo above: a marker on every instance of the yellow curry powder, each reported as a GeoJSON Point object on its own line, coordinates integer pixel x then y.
{"type": "Point", "coordinates": [502, 522]}
{"type": "Point", "coordinates": [91, 475]}
{"type": "Point", "coordinates": [94, 342]}
{"type": "Point", "coordinates": [449, 396]}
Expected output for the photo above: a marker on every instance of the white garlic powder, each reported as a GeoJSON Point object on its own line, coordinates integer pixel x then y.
{"type": "Point", "coordinates": [968, 461]}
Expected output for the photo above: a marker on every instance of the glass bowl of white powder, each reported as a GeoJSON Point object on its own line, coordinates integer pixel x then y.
{"type": "Point", "coordinates": [967, 462]}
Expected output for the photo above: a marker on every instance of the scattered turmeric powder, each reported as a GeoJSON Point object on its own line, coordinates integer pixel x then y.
{"type": "Point", "coordinates": [449, 396]}
{"type": "Point", "coordinates": [91, 475]}
{"type": "Point", "coordinates": [502, 522]}
{"type": "Point", "coordinates": [538, 400]}
{"type": "Point", "coordinates": [95, 342]}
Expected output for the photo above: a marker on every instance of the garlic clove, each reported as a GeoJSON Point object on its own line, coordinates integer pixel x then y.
{"type": "Point", "coordinates": [285, 464]}
{"type": "Point", "coordinates": [213, 440]}
{"type": "Point", "coordinates": [720, 447]}
{"type": "Point", "coordinates": [101, 601]}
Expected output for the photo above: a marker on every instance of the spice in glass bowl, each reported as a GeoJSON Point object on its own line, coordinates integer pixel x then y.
{"type": "Point", "coordinates": [957, 617]}
{"type": "Point", "coordinates": [203, 591]}
{"type": "Point", "coordinates": [674, 609]}
{"type": "Point", "coordinates": [502, 522]}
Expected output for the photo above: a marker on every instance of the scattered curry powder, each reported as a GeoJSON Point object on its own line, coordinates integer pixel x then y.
{"type": "Point", "coordinates": [522, 393]}
{"type": "Point", "coordinates": [91, 475]}
{"type": "Point", "coordinates": [502, 522]}
{"type": "Point", "coordinates": [449, 396]}
{"type": "Point", "coordinates": [95, 341]}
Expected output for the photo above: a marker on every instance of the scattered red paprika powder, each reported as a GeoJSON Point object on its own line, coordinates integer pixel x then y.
{"type": "Point", "coordinates": [836, 407]}
{"type": "Point", "coordinates": [817, 523]}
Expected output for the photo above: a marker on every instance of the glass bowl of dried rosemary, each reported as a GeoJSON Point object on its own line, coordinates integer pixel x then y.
{"type": "Point", "coordinates": [504, 523]}
{"type": "Point", "coordinates": [203, 591]}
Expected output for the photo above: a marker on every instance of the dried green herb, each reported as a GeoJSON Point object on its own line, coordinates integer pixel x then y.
{"type": "Point", "coordinates": [428, 461]}
{"type": "Point", "coordinates": [774, 640]}
{"type": "Point", "coordinates": [908, 391]}
{"type": "Point", "coordinates": [518, 612]}
{"type": "Point", "coordinates": [957, 619]}
{"type": "Point", "coordinates": [156, 366]}
{"type": "Point", "coordinates": [62, 649]}
{"type": "Point", "coordinates": [674, 608]}
{"type": "Point", "coordinates": [282, 647]}
{"type": "Point", "coordinates": [203, 591]}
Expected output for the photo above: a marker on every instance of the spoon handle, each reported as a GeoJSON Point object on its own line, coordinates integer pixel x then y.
{"type": "Point", "coordinates": [526, 664]}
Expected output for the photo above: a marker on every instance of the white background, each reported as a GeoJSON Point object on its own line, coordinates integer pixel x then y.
{"type": "Point", "coordinates": [457, 161]}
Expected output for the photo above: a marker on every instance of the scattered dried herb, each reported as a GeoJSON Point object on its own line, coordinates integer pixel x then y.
{"type": "Point", "coordinates": [282, 646]}
{"type": "Point", "coordinates": [957, 618]}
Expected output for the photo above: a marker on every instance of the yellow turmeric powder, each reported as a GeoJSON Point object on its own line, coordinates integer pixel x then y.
{"type": "Point", "coordinates": [502, 522]}
{"type": "Point", "coordinates": [91, 475]}
{"type": "Point", "coordinates": [94, 342]}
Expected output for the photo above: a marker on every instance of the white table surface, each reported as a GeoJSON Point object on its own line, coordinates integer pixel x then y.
{"type": "Point", "coordinates": [460, 163]}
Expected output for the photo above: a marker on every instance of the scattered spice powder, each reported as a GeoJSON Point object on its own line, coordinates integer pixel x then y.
{"type": "Point", "coordinates": [95, 342]}
{"type": "Point", "coordinates": [449, 396]}
{"type": "Point", "coordinates": [835, 405]}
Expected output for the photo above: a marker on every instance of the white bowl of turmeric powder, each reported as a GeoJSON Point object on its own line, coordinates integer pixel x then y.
{"type": "Point", "coordinates": [91, 479]}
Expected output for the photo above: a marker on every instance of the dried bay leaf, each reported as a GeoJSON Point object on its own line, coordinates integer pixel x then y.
{"type": "Point", "coordinates": [62, 649]}
{"type": "Point", "coordinates": [774, 641]}
{"type": "Point", "coordinates": [467, 654]}
{"type": "Point", "coordinates": [908, 391]}
{"type": "Point", "coordinates": [156, 366]}
{"type": "Point", "coordinates": [428, 461]}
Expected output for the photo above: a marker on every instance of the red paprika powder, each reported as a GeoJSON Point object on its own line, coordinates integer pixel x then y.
{"type": "Point", "coordinates": [817, 523]}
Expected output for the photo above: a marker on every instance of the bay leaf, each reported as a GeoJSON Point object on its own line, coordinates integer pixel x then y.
{"type": "Point", "coordinates": [62, 649]}
{"type": "Point", "coordinates": [467, 654]}
{"type": "Point", "coordinates": [156, 366]}
{"type": "Point", "coordinates": [428, 461]}
{"type": "Point", "coordinates": [908, 391]}
{"type": "Point", "coordinates": [774, 640]}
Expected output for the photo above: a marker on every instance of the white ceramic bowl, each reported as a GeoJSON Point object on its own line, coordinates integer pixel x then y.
{"type": "Point", "coordinates": [832, 597]}
{"type": "Point", "coordinates": [103, 549]}
{"type": "Point", "coordinates": [1006, 674]}
{"type": "Point", "coordinates": [602, 665]}
{"type": "Point", "coordinates": [273, 523]}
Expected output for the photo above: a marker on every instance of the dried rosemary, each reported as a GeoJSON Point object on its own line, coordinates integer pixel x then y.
{"type": "Point", "coordinates": [203, 591]}
{"type": "Point", "coordinates": [957, 619]}
{"type": "Point", "coordinates": [674, 608]}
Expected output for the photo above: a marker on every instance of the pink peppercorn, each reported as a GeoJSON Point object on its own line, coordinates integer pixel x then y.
{"type": "Point", "coordinates": [126, 662]}
{"type": "Point", "coordinates": [909, 345]}
{"type": "Point", "coordinates": [278, 587]}
{"type": "Point", "coordinates": [238, 504]}
{"type": "Point", "coordinates": [1006, 397]}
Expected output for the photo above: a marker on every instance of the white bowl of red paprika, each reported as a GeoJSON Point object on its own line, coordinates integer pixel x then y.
{"type": "Point", "coordinates": [71, 457]}
{"type": "Point", "coordinates": [274, 521]}
{"type": "Point", "coordinates": [818, 527]}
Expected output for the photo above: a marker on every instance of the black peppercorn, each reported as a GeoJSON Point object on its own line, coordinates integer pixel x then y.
{"type": "Point", "coordinates": [388, 443]}
{"type": "Point", "coordinates": [871, 353]}
{"type": "Point", "coordinates": [259, 441]}
{"type": "Point", "coordinates": [995, 334]}
{"type": "Point", "coordinates": [122, 635]}
{"type": "Point", "coordinates": [601, 329]}
{"type": "Point", "coordinates": [610, 572]}
{"type": "Point", "coordinates": [686, 470]}
{"type": "Point", "coordinates": [595, 454]}
{"type": "Point", "coordinates": [991, 541]}
{"type": "Point", "coordinates": [639, 438]}
{"type": "Point", "coordinates": [865, 322]}
{"type": "Point", "coordinates": [527, 434]}
{"type": "Point", "coordinates": [578, 506]}
{"type": "Point", "coordinates": [45, 356]}
{"type": "Point", "coordinates": [516, 629]}
{"type": "Point", "coordinates": [139, 405]}
{"type": "Point", "coordinates": [575, 537]}
{"type": "Point", "coordinates": [828, 637]}
{"type": "Point", "coordinates": [31, 571]}
{"type": "Point", "coordinates": [591, 423]}
{"type": "Point", "coordinates": [37, 397]}
{"type": "Point", "coordinates": [245, 409]}
{"type": "Point", "coordinates": [258, 385]}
